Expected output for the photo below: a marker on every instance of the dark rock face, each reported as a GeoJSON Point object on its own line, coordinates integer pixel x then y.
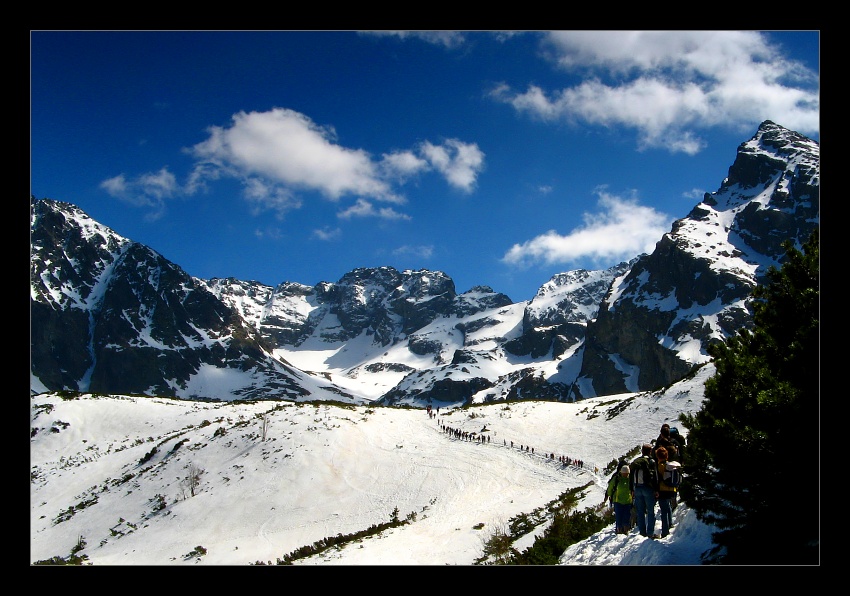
{"type": "Point", "coordinates": [388, 366]}
{"type": "Point", "coordinates": [422, 345]}
{"type": "Point", "coordinates": [59, 323]}
{"type": "Point", "coordinates": [528, 385]}
{"type": "Point", "coordinates": [146, 294]}
{"type": "Point", "coordinates": [478, 299]}
{"type": "Point", "coordinates": [476, 325]}
{"type": "Point", "coordinates": [558, 324]}
{"type": "Point", "coordinates": [132, 321]}
{"type": "Point", "coordinates": [382, 302]}
{"type": "Point", "coordinates": [59, 348]}
{"type": "Point", "coordinates": [532, 343]}
{"type": "Point", "coordinates": [444, 390]}
{"type": "Point", "coordinates": [385, 302]}
{"type": "Point", "coordinates": [633, 332]}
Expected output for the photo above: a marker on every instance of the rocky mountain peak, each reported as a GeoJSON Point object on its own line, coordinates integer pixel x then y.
{"type": "Point", "coordinates": [695, 287]}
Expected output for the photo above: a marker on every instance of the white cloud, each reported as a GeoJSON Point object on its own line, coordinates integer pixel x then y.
{"type": "Point", "coordinates": [459, 162]}
{"type": "Point", "coordinates": [263, 197]}
{"type": "Point", "coordinates": [656, 108]}
{"type": "Point", "coordinates": [403, 164]}
{"type": "Point", "coordinates": [116, 186]}
{"type": "Point", "coordinates": [622, 230]}
{"type": "Point", "coordinates": [288, 148]}
{"type": "Point", "coordinates": [667, 84]}
{"type": "Point", "coordinates": [327, 234]}
{"type": "Point", "coordinates": [363, 208]}
{"type": "Point", "coordinates": [448, 39]}
{"type": "Point", "coordinates": [694, 193]}
{"type": "Point", "coordinates": [271, 233]}
{"type": "Point", "coordinates": [422, 251]}
{"type": "Point", "coordinates": [199, 176]}
{"type": "Point", "coordinates": [147, 190]}
{"type": "Point", "coordinates": [278, 153]}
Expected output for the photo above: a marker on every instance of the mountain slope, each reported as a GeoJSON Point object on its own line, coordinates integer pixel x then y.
{"type": "Point", "coordinates": [112, 472]}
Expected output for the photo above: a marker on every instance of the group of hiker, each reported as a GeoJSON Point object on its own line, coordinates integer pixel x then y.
{"type": "Point", "coordinates": [463, 435]}
{"type": "Point", "coordinates": [635, 488]}
{"type": "Point", "coordinates": [480, 437]}
{"type": "Point", "coordinates": [652, 478]}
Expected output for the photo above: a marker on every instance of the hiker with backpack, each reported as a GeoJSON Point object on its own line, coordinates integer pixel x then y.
{"type": "Point", "coordinates": [679, 441]}
{"type": "Point", "coordinates": [668, 482]}
{"type": "Point", "coordinates": [643, 484]}
{"type": "Point", "coordinates": [664, 440]}
{"type": "Point", "coordinates": [620, 496]}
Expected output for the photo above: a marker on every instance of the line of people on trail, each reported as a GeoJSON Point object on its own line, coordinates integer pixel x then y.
{"type": "Point", "coordinates": [482, 438]}
{"type": "Point", "coordinates": [652, 478]}
{"type": "Point", "coordinates": [464, 435]}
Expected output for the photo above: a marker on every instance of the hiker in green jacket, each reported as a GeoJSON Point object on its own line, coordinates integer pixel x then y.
{"type": "Point", "coordinates": [619, 495]}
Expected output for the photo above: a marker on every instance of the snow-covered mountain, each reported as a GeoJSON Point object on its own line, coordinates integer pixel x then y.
{"type": "Point", "coordinates": [109, 315]}
{"type": "Point", "coordinates": [112, 316]}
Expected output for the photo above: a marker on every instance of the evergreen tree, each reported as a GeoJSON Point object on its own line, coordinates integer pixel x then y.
{"type": "Point", "coordinates": [753, 448]}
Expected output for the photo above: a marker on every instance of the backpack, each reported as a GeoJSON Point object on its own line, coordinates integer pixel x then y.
{"type": "Point", "coordinates": [612, 486]}
{"type": "Point", "coordinates": [672, 474]}
{"type": "Point", "coordinates": [646, 472]}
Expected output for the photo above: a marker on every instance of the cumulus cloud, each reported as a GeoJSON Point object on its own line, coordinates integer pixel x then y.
{"type": "Point", "coordinates": [621, 230]}
{"type": "Point", "coordinates": [459, 162]}
{"type": "Point", "coordinates": [288, 148]}
{"type": "Point", "coordinates": [669, 84]}
{"type": "Point", "coordinates": [402, 165]}
{"type": "Point", "coordinates": [281, 153]}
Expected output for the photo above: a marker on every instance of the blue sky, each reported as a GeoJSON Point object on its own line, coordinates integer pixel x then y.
{"type": "Point", "coordinates": [500, 158]}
